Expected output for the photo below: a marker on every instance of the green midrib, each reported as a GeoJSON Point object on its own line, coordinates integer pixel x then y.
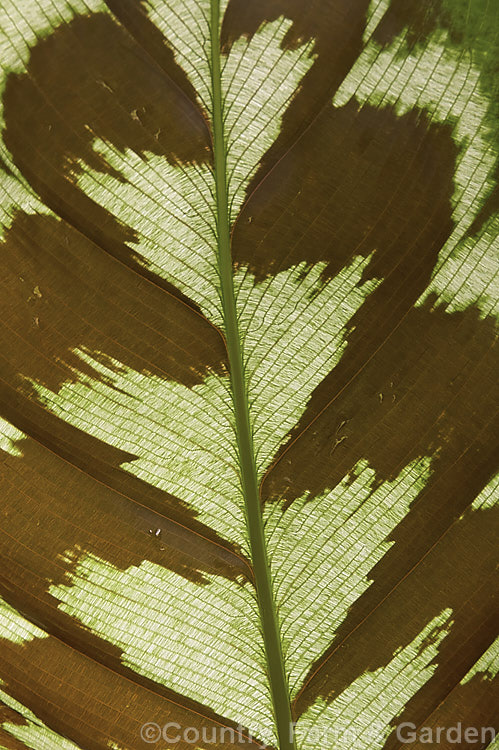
{"type": "Point", "coordinates": [268, 614]}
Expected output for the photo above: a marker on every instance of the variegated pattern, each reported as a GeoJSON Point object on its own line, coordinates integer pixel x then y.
{"type": "Point", "coordinates": [352, 149]}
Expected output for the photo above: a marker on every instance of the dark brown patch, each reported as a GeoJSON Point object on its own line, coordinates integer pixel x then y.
{"type": "Point", "coordinates": [9, 716]}
{"type": "Point", "coordinates": [335, 26]}
{"type": "Point", "coordinates": [459, 572]}
{"type": "Point", "coordinates": [132, 15]}
{"type": "Point", "coordinates": [412, 381]}
{"type": "Point", "coordinates": [470, 26]}
{"type": "Point", "coordinates": [61, 292]}
{"type": "Point", "coordinates": [474, 704]}
{"type": "Point", "coordinates": [383, 187]}
{"type": "Point", "coordinates": [5, 167]}
{"type": "Point", "coordinates": [72, 496]}
{"type": "Point", "coordinates": [89, 79]}
{"type": "Point", "coordinates": [68, 490]}
{"type": "Point", "coordinates": [424, 385]}
{"type": "Point", "coordinates": [436, 375]}
{"type": "Point", "coordinates": [489, 209]}
{"type": "Point", "coordinates": [362, 181]}
{"type": "Point", "coordinates": [418, 20]}
{"type": "Point", "coordinates": [92, 703]}
{"type": "Point", "coordinates": [327, 23]}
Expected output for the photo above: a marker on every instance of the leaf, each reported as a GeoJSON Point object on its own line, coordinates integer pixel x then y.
{"type": "Point", "coordinates": [249, 390]}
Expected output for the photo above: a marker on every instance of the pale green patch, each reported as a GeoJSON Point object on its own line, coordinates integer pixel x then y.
{"type": "Point", "coordinates": [377, 10]}
{"type": "Point", "coordinates": [259, 79]}
{"type": "Point", "coordinates": [487, 666]}
{"type": "Point", "coordinates": [444, 82]}
{"type": "Point", "coordinates": [360, 717]}
{"type": "Point", "coordinates": [172, 210]}
{"type": "Point", "coordinates": [16, 196]}
{"type": "Point", "coordinates": [35, 734]}
{"type": "Point", "coordinates": [183, 437]}
{"type": "Point", "coordinates": [14, 627]}
{"type": "Point", "coordinates": [470, 275]}
{"type": "Point", "coordinates": [172, 207]}
{"type": "Point", "coordinates": [186, 27]}
{"type": "Point", "coordinates": [294, 333]}
{"type": "Point", "coordinates": [489, 496]}
{"type": "Point", "coordinates": [9, 436]}
{"type": "Point", "coordinates": [202, 641]}
{"type": "Point", "coordinates": [322, 550]}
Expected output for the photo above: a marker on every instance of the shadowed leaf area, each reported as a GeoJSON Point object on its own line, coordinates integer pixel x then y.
{"type": "Point", "coordinates": [89, 79]}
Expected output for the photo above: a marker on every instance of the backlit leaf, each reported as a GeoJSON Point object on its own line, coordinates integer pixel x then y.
{"type": "Point", "coordinates": [248, 389]}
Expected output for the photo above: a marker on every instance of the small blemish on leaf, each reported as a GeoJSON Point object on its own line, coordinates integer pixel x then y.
{"type": "Point", "coordinates": [104, 85]}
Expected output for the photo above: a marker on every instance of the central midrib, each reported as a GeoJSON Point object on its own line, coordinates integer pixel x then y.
{"type": "Point", "coordinates": [268, 615]}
